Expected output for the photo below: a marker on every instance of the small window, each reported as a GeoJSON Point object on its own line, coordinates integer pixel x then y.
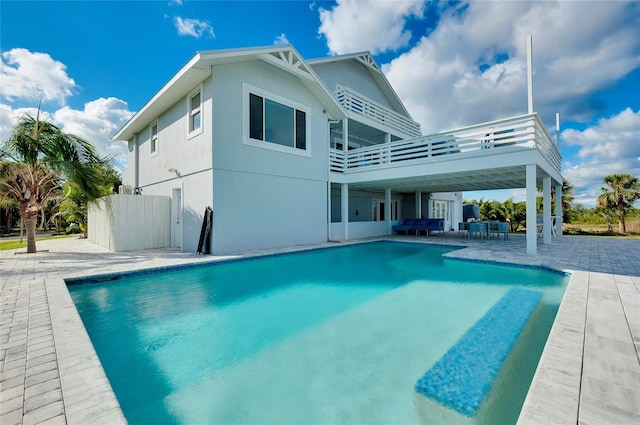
{"type": "Point", "coordinates": [154, 137]}
{"type": "Point", "coordinates": [195, 112]}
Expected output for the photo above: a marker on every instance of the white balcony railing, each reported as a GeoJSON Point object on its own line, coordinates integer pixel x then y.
{"type": "Point", "coordinates": [483, 139]}
{"type": "Point", "coordinates": [359, 104]}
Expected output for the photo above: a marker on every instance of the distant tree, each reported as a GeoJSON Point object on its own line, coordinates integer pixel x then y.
{"type": "Point", "coordinates": [492, 210]}
{"type": "Point", "coordinates": [515, 213]}
{"type": "Point", "coordinates": [9, 210]}
{"type": "Point", "coordinates": [36, 158]}
{"type": "Point", "coordinates": [73, 209]}
{"type": "Point", "coordinates": [567, 200]}
{"type": "Point", "coordinates": [623, 190]}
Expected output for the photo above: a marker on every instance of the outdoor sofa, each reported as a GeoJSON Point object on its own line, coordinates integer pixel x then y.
{"type": "Point", "coordinates": [418, 225]}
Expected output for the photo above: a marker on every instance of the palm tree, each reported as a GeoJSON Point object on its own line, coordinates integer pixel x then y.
{"type": "Point", "coordinates": [36, 158]}
{"type": "Point", "coordinates": [624, 190]}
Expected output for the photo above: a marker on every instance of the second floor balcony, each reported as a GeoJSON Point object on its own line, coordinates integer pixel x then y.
{"type": "Point", "coordinates": [366, 110]}
{"type": "Point", "coordinates": [501, 147]}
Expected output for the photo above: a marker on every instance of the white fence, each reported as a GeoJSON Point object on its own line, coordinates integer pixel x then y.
{"type": "Point", "coordinates": [130, 222]}
{"type": "Point", "coordinates": [524, 132]}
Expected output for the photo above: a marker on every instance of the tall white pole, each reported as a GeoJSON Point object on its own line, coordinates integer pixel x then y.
{"type": "Point", "coordinates": [530, 72]}
{"type": "Point", "coordinates": [557, 129]}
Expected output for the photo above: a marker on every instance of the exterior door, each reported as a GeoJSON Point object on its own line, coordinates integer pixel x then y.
{"type": "Point", "coordinates": [378, 210]}
{"type": "Point", "coordinates": [440, 209]}
{"type": "Point", "coordinates": [176, 217]}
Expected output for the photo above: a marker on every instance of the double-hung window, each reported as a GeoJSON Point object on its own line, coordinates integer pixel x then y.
{"type": "Point", "coordinates": [280, 123]}
{"type": "Point", "coordinates": [195, 112]}
{"type": "Point", "coordinates": [154, 137]}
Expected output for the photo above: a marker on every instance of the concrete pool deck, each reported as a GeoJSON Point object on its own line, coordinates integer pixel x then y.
{"type": "Point", "coordinates": [589, 372]}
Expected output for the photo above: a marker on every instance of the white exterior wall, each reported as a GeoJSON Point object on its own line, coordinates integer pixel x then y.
{"type": "Point", "coordinates": [188, 155]}
{"type": "Point", "coordinates": [353, 75]}
{"type": "Point", "coordinates": [191, 157]}
{"type": "Point", "coordinates": [129, 222]}
{"type": "Point", "coordinates": [262, 197]}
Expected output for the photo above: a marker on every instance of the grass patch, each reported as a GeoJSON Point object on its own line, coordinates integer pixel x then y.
{"type": "Point", "coordinates": [16, 244]}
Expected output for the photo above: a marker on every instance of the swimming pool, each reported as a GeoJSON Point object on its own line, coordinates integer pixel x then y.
{"type": "Point", "coordinates": [336, 335]}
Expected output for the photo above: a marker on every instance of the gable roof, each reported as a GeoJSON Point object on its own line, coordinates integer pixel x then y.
{"type": "Point", "coordinates": [366, 59]}
{"type": "Point", "coordinates": [199, 68]}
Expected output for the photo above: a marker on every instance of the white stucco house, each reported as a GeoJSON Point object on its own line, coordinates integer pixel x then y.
{"type": "Point", "coordinates": [289, 151]}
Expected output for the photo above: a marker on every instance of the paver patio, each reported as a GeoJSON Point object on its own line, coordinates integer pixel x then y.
{"type": "Point", "coordinates": [589, 372]}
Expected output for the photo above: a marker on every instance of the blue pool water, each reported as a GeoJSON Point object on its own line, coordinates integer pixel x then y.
{"type": "Point", "coordinates": [336, 335]}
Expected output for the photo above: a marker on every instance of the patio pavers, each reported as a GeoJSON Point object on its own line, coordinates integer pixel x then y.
{"type": "Point", "coordinates": [588, 374]}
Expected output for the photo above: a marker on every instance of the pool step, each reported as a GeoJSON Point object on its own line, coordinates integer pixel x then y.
{"type": "Point", "coordinates": [462, 377]}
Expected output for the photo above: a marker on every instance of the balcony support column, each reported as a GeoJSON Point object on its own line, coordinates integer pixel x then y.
{"type": "Point", "coordinates": [531, 189]}
{"type": "Point", "coordinates": [344, 193]}
{"type": "Point", "coordinates": [546, 210]}
{"type": "Point", "coordinates": [345, 134]}
{"type": "Point", "coordinates": [418, 204]}
{"type": "Point", "coordinates": [387, 209]}
{"type": "Point", "coordinates": [558, 210]}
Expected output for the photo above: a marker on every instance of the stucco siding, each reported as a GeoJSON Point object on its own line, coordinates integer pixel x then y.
{"type": "Point", "coordinates": [229, 135]}
{"type": "Point", "coordinates": [253, 211]}
{"type": "Point", "coordinates": [175, 149]}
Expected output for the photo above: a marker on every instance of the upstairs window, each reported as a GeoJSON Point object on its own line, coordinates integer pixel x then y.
{"type": "Point", "coordinates": [154, 138]}
{"type": "Point", "coordinates": [195, 112]}
{"type": "Point", "coordinates": [277, 123]}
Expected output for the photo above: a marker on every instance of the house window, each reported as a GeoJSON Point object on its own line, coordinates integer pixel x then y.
{"type": "Point", "coordinates": [195, 112]}
{"type": "Point", "coordinates": [275, 122]}
{"type": "Point", "coordinates": [154, 138]}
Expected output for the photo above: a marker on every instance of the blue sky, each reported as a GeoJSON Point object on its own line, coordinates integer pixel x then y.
{"type": "Point", "coordinates": [94, 63]}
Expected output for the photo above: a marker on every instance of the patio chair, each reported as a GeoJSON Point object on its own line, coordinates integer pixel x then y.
{"type": "Point", "coordinates": [463, 227]}
{"type": "Point", "coordinates": [475, 227]}
{"type": "Point", "coordinates": [503, 228]}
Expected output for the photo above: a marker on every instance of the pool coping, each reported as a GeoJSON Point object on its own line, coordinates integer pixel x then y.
{"type": "Point", "coordinates": [556, 394]}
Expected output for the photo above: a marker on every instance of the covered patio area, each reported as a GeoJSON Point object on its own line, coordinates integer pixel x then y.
{"type": "Point", "coordinates": [506, 154]}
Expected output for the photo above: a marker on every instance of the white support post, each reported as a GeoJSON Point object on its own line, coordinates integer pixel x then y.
{"type": "Point", "coordinates": [418, 204]}
{"type": "Point", "coordinates": [387, 209]}
{"type": "Point", "coordinates": [558, 210]}
{"type": "Point", "coordinates": [344, 192]}
{"type": "Point", "coordinates": [546, 210]}
{"type": "Point", "coordinates": [532, 231]}
{"type": "Point", "coordinates": [387, 150]}
{"type": "Point", "coordinates": [345, 134]}
{"type": "Point", "coordinates": [329, 238]}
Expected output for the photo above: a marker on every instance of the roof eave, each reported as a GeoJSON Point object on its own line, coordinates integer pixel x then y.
{"type": "Point", "coordinates": [199, 68]}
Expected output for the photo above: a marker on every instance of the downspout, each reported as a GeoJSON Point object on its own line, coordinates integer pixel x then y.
{"type": "Point", "coordinates": [136, 172]}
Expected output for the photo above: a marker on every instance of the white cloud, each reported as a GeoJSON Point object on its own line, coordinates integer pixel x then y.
{"type": "Point", "coordinates": [281, 39]}
{"type": "Point", "coordinates": [377, 26]}
{"type": "Point", "coordinates": [97, 122]}
{"type": "Point", "coordinates": [609, 147]}
{"type": "Point", "coordinates": [30, 76]}
{"type": "Point", "coordinates": [193, 27]}
{"type": "Point", "coordinates": [9, 117]}
{"type": "Point", "coordinates": [472, 67]}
